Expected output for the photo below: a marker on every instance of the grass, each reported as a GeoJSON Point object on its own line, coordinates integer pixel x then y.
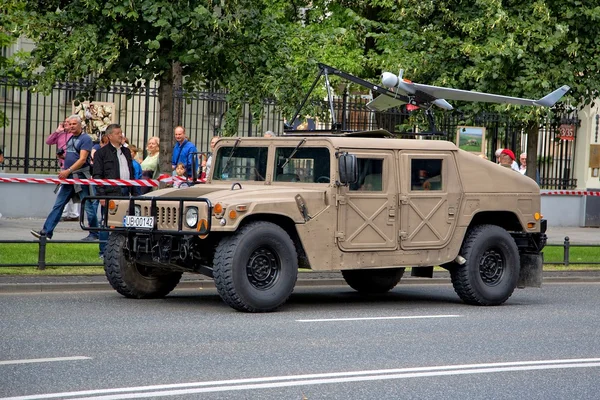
{"type": "Point", "coordinates": [27, 253]}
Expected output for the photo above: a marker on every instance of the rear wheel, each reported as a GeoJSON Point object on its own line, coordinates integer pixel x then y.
{"type": "Point", "coordinates": [132, 279]}
{"type": "Point", "coordinates": [491, 271]}
{"type": "Point", "coordinates": [256, 268]}
{"type": "Point", "coordinates": [373, 281]}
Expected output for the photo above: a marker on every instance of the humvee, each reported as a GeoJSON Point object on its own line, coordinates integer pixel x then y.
{"type": "Point", "coordinates": [366, 204]}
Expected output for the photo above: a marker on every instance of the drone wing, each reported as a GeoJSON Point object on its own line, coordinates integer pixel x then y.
{"type": "Point", "coordinates": [466, 95]}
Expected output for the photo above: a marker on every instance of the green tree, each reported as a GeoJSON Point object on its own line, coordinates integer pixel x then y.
{"type": "Point", "coordinates": [235, 44]}
{"type": "Point", "coordinates": [514, 48]}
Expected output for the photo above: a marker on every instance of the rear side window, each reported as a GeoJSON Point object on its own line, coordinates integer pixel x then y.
{"type": "Point", "coordinates": [426, 174]}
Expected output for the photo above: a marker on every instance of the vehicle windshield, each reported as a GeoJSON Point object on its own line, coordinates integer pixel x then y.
{"type": "Point", "coordinates": [243, 164]}
{"type": "Point", "coordinates": [302, 164]}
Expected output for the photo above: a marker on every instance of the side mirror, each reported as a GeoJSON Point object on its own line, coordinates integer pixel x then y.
{"type": "Point", "coordinates": [348, 168]}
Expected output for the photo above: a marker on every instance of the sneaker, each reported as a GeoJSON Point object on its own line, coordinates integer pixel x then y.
{"type": "Point", "coordinates": [90, 238]}
{"type": "Point", "coordinates": [70, 219]}
{"type": "Point", "coordinates": [39, 234]}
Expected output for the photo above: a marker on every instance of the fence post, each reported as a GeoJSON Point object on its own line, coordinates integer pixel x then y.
{"type": "Point", "coordinates": [42, 253]}
{"type": "Point", "coordinates": [566, 246]}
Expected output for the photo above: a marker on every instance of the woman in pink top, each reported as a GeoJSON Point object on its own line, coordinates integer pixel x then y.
{"type": "Point", "coordinates": [60, 137]}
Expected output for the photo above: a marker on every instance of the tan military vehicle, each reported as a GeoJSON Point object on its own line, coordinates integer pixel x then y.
{"type": "Point", "coordinates": [365, 204]}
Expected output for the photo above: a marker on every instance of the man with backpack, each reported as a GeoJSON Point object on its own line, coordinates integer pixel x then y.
{"type": "Point", "coordinates": [76, 165]}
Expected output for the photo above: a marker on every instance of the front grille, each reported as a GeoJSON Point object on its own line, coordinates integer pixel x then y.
{"type": "Point", "coordinates": [167, 217]}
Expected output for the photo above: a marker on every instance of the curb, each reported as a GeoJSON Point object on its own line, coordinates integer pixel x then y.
{"type": "Point", "coordinates": [209, 284]}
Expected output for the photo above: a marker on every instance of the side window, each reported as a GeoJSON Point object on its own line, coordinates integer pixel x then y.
{"type": "Point", "coordinates": [426, 174]}
{"type": "Point", "coordinates": [370, 175]}
{"type": "Point", "coordinates": [309, 164]}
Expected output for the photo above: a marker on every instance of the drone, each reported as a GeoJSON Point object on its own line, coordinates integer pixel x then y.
{"type": "Point", "coordinates": [395, 91]}
{"type": "Point", "coordinates": [427, 95]}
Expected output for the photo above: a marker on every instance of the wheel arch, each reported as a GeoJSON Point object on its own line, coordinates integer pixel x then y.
{"type": "Point", "coordinates": [289, 226]}
{"type": "Point", "coordinates": [504, 219]}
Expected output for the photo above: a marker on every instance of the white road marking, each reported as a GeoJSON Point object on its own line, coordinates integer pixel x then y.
{"type": "Point", "coordinates": [376, 318]}
{"type": "Point", "coordinates": [314, 379]}
{"type": "Point", "coordinates": [42, 360]}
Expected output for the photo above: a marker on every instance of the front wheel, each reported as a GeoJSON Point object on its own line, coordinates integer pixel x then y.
{"type": "Point", "coordinates": [256, 268]}
{"type": "Point", "coordinates": [132, 279]}
{"type": "Point", "coordinates": [491, 271]}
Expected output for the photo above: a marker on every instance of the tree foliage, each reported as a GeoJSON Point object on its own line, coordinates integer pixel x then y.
{"type": "Point", "coordinates": [262, 48]}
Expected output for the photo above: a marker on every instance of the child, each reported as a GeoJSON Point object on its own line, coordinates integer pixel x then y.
{"type": "Point", "coordinates": [180, 171]}
{"type": "Point", "coordinates": [137, 168]}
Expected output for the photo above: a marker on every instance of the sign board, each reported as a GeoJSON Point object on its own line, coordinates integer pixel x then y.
{"type": "Point", "coordinates": [567, 132]}
{"type": "Point", "coordinates": [471, 139]}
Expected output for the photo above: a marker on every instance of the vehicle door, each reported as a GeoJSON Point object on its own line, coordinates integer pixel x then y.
{"type": "Point", "coordinates": [429, 199]}
{"type": "Point", "coordinates": [367, 209]}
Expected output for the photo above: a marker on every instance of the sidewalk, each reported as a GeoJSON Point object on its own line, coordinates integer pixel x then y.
{"type": "Point", "coordinates": [18, 229]}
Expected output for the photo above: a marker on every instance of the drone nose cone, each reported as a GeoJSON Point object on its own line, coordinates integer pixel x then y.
{"type": "Point", "coordinates": [389, 80]}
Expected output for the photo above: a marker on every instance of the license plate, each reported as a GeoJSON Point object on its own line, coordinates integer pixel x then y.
{"type": "Point", "coordinates": [131, 221]}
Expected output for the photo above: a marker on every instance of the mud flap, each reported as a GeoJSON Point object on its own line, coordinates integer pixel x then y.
{"type": "Point", "coordinates": [531, 270]}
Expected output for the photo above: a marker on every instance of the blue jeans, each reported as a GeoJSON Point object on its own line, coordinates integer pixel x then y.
{"type": "Point", "coordinates": [103, 235]}
{"type": "Point", "coordinates": [62, 198]}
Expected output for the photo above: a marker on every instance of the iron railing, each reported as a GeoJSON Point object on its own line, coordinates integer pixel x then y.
{"type": "Point", "coordinates": [43, 242]}
{"type": "Point", "coordinates": [33, 116]}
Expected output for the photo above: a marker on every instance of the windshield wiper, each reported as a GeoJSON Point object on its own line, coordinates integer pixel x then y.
{"type": "Point", "coordinates": [237, 142]}
{"type": "Point", "coordinates": [287, 160]}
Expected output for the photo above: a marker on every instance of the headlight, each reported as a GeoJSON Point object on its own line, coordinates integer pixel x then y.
{"type": "Point", "coordinates": [191, 217]}
{"type": "Point", "coordinates": [137, 211]}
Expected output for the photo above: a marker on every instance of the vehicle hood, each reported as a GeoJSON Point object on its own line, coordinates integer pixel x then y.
{"type": "Point", "coordinates": [283, 200]}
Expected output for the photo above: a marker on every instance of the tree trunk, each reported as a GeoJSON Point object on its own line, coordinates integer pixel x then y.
{"type": "Point", "coordinates": [169, 113]}
{"type": "Point", "coordinates": [165, 124]}
{"type": "Point", "coordinates": [533, 132]}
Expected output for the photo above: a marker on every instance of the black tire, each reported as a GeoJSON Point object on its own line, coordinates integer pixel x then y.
{"type": "Point", "coordinates": [373, 281]}
{"type": "Point", "coordinates": [491, 272]}
{"type": "Point", "coordinates": [256, 268]}
{"type": "Point", "coordinates": [134, 280]}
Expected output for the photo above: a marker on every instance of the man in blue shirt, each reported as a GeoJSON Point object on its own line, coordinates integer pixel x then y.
{"type": "Point", "coordinates": [182, 152]}
{"type": "Point", "coordinates": [77, 165]}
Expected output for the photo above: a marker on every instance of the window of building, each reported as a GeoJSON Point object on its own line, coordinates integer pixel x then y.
{"type": "Point", "coordinates": [426, 174]}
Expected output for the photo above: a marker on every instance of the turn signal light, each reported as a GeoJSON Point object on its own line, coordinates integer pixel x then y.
{"type": "Point", "coordinates": [112, 205]}
{"type": "Point", "coordinates": [530, 225]}
{"type": "Point", "coordinates": [218, 209]}
{"type": "Point", "coordinates": [232, 214]}
{"type": "Point", "coordinates": [537, 216]}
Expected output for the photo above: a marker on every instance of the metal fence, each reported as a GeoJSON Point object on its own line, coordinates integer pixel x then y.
{"type": "Point", "coordinates": [43, 242]}
{"type": "Point", "coordinates": [33, 116]}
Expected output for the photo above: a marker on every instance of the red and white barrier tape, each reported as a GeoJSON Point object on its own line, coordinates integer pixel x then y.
{"type": "Point", "coordinates": [570, 193]}
{"type": "Point", "coordinates": [98, 182]}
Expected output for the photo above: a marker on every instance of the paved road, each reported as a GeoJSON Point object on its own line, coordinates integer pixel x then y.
{"type": "Point", "coordinates": [18, 229]}
{"type": "Point", "coordinates": [418, 341]}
